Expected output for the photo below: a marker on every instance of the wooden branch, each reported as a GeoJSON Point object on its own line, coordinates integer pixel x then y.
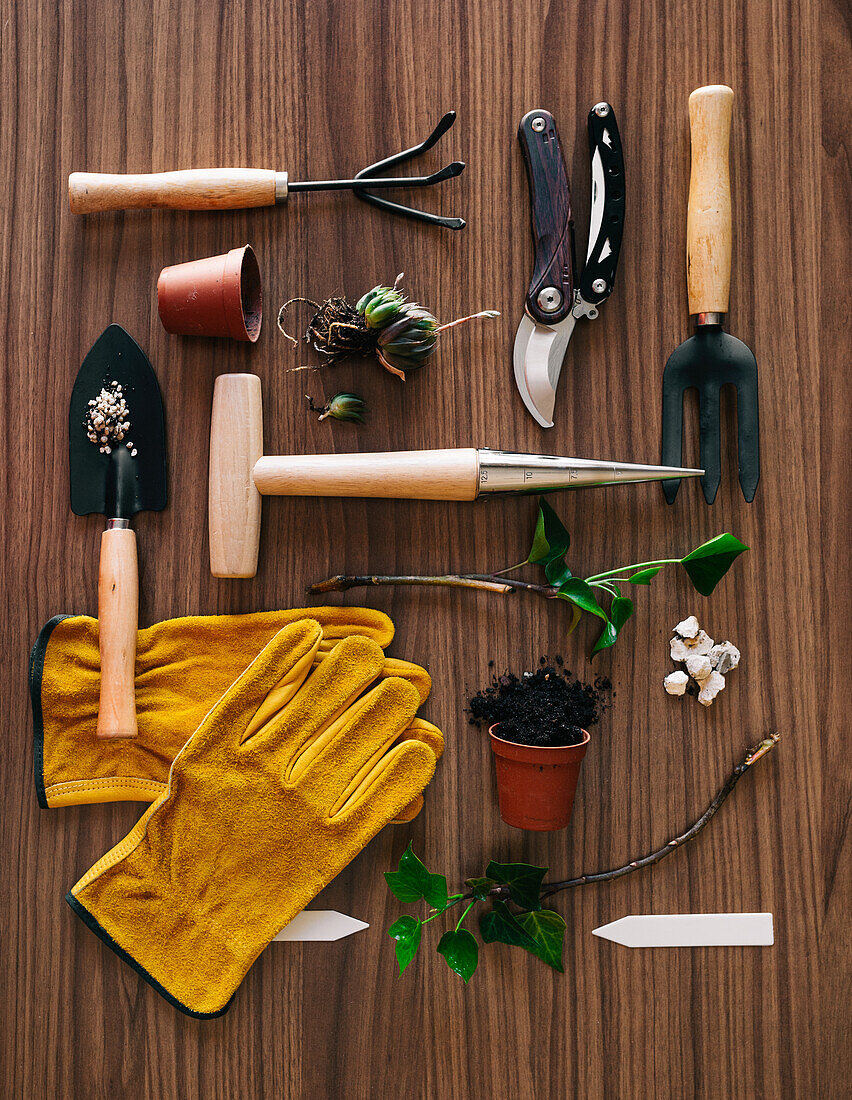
{"type": "Point", "coordinates": [485, 581]}
{"type": "Point", "coordinates": [736, 775]}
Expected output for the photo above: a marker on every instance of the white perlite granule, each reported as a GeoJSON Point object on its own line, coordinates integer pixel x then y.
{"type": "Point", "coordinates": [705, 661]}
{"type": "Point", "coordinates": [108, 420]}
{"type": "Point", "coordinates": [675, 683]}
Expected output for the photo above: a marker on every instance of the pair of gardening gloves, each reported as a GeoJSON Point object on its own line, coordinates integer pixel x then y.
{"type": "Point", "coordinates": [256, 803]}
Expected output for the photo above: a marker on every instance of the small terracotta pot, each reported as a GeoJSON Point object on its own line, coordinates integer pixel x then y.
{"type": "Point", "coordinates": [216, 296]}
{"type": "Point", "coordinates": [536, 785]}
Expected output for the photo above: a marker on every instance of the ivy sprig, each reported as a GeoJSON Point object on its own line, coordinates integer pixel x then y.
{"type": "Point", "coordinates": [510, 897]}
{"type": "Point", "coordinates": [705, 566]}
{"type": "Point", "coordinates": [539, 931]}
{"type": "Point", "coordinates": [599, 595]}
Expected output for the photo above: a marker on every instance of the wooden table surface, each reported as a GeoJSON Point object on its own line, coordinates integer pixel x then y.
{"type": "Point", "coordinates": [320, 88]}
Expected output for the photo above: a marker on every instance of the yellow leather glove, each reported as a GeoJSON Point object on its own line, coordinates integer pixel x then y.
{"type": "Point", "coordinates": [182, 666]}
{"type": "Point", "coordinates": [291, 773]}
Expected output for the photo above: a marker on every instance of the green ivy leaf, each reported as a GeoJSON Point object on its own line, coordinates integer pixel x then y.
{"type": "Point", "coordinates": [523, 879]}
{"type": "Point", "coordinates": [461, 952]}
{"type": "Point", "coordinates": [480, 887]}
{"type": "Point", "coordinates": [406, 932]}
{"type": "Point", "coordinates": [576, 615]}
{"type": "Point", "coordinates": [607, 637]}
{"type": "Point", "coordinates": [500, 925]}
{"type": "Point", "coordinates": [644, 575]}
{"type": "Point", "coordinates": [582, 595]}
{"type": "Point", "coordinates": [557, 572]}
{"type": "Point", "coordinates": [620, 611]}
{"type": "Point", "coordinates": [411, 881]}
{"type": "Point", "coordinates": [708, 563]}
{"type": "Point", "coordinates": [547, 930]}
{"type": "Point", "coordinates": [551, 540]}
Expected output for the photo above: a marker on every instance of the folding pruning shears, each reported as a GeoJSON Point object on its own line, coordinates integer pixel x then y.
{"type": "Point", "coordinates": [557, 297]}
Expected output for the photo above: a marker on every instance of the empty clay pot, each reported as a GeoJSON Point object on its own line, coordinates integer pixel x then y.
{"type": "Point", "coordinates": [216, 296]}
{"type": "Point", "coordinates": [536, 785]}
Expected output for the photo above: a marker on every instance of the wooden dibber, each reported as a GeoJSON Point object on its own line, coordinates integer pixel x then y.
{"type": "Point", "coordinates": [239, 474]}
{"type": "Point", "coordinates": [708, 223]}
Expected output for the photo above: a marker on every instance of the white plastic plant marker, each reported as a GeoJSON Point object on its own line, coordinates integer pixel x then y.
{"type": "Point", "coordinates": [691, 930]}
{"type": "Point", "coordinates": [320, 925]}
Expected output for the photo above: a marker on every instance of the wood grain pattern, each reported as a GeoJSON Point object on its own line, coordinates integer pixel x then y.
{"type": "Point", "coordinates": [447, 474]}
{"type": "Point", "coordinates": [322, 88]}
{"type": "Point", "coordinates": [118, 620]}
{"type": "Point", "coordinates": [185, 189]}
{"type": "Point", "coordinates": [709, 215]}
{"type": "Point", "coordinates": [233, 502]}
{"type": "Point", "coordinates": [551, 216]}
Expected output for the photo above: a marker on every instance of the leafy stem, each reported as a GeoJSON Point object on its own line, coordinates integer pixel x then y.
{"type": "Point", "coordinates": [705, 566]}
{"type": "Point", "coordinates": [464, 914]}
{"type": "Point", "coordinates": [528, 925]}
{"type": "Point", "coordinates": [639, 565]}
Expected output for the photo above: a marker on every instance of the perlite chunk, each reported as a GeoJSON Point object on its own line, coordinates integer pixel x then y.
{"type": "Point", "coordinates": [705, 661]}
{"type": "Point", "coordinates": [724, 657]}
{"type": "Point", "coordinates": [683, 648]}
{"type": "Point", "coordinates": [698, 666]}
{"type": "Point", "coordinates": [687, 628]}
{"type": "Point", "coordinates": [710, 688]}
{"type": "Point", "coordinates": [675, 683]}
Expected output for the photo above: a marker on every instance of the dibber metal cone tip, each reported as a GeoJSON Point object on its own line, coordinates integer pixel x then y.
{"type": "Point", "coordinates": [629, 471]}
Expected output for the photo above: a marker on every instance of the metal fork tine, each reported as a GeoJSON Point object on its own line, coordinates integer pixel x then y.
{"type": "Point", "coordinates": [395, 159]}
{"type": "Point", "coordinates": [408, 154]}
{"type": "Point", "coordinates": [410, 211]}
{"type": "Point", "coordinates": [748, 447]}
{"type": "Point", "coordinates": [672, 435]}
{"type": "Point", "coordinates": [710, 439]}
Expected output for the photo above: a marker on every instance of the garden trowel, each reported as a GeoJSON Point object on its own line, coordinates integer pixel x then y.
{"type": "Point", "coordinates": [117, 477]}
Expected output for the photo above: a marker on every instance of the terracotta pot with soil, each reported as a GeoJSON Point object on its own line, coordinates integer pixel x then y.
{"type": "Point", "coordinates": [215, 296]}
{"type": "Point", "coordinates": [535, 784]}
{"type": "Point", "coordinates": [537, 729]}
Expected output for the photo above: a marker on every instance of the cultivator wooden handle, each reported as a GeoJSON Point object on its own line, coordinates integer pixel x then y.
{"type": "Point", "coordinates": [708, 224]}
{"type": "Point", "coordinates": [195, 189]}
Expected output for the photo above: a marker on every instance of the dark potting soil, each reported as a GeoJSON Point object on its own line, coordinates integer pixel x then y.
{"type": "Point", "coordinates": [548, 707]}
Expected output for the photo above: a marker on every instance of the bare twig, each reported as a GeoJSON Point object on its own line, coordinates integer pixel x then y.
{"type": "Point", "coordinates": [487, 582]}
{"type": "Point", "coordinates": [550, 888]}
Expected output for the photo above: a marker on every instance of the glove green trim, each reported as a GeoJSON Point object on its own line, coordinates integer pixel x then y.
{"type": "Point", "coordinates": [37, 656]}
{"type": "Point", "coordinates": [94, 925]}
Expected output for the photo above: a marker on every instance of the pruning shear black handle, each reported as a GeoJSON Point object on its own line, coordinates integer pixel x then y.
{"type": "Point", "coordinates": [607, 223]}
{"type": "Point", "coordinates": [551, 292]}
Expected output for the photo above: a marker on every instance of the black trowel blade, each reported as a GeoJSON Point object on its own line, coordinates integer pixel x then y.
{"type": "Point", "coordinates": [118, 485]}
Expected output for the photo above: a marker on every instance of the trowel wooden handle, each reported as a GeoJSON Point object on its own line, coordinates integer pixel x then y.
{"type": "Point", "coordinates": [406, 475]}
{"type": "Point", "coordinates": [708, 223]}
{"type": "Point", "coordinates": [196, 189]}
{"type": "Point", "coordinates": [236, 443]}
{"type": "Point", "coordinates": [118, 616]}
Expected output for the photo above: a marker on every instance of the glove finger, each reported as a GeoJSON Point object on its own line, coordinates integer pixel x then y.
{"type": "Point", "coordinates": [326, 694]}
{"type": "Point", "coordinates": [421, 730]}
{"type": "Point", "coordinates": [407, 670]}
{"type": "Point", "coordinates": [339, 622]}
{"type": "Point", "coordinates": [409, 812]}
{"type": "Point", "coordinates": [356, 739]}
{"type": "Point", "coordinates": [391, 787]}
{"type": "Point", "coordinates": [418, 730]}
{"type": "Point", "coordinates": [287, 658]}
